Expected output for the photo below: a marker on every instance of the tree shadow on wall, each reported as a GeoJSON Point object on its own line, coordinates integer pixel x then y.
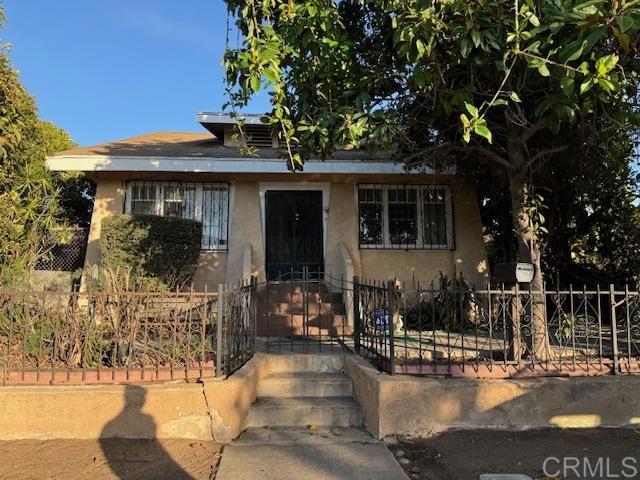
{"type": "Point", "coordinates": [140, 458]}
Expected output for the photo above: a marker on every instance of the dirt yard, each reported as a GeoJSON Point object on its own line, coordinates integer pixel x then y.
{"type": "Point", "coordinates": [108, 459]}
{"type": "Point", "coordinates": [466, 454]}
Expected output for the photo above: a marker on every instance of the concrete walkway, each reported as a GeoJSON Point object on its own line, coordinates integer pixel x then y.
{"type": "Point", "coordinates": [294, 454]}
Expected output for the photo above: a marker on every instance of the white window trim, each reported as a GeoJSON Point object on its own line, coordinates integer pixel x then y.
{"type": "Point", "coordinates": [197, 211]}
{"type": "Point", "coordinates": [419, 245]}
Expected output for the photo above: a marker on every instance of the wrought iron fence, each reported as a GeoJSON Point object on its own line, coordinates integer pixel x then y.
{"type": "Point", "coordinates": [235, 333]}
{"type": "Point", "coordinates": [497, 332]}
{"type": "Point", "coordinates": [305, 311]}
{"type": "Point", "coordinates": [79, 337]}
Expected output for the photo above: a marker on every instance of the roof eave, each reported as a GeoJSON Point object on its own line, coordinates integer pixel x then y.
{"type": "Point", "coordinates": [105, 163]}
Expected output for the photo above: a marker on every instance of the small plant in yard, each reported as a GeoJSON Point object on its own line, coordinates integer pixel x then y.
{"type": "Point", "coordinates": [445, 306]}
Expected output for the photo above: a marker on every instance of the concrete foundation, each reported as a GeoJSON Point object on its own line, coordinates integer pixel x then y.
{"type": "Point", "coordinates": [424, 406]}
{"type": "Point", "coordinates": [219, 409]}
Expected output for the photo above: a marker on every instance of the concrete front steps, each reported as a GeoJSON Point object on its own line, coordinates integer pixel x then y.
{"type": "Point", "coordinates": [304, 390]}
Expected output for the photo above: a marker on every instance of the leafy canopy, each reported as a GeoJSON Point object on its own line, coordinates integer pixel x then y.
{"type": "Point", "coordinates": [379, 73]}
{"type": "Point", "coordinates": [34, 203]}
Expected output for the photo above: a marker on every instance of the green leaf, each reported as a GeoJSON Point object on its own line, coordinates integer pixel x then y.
{"type": "Point", "coordinates": [586, 86]}
{"type": "Point", "coordinates": [272, 75]}
{"type": "Point", "coordinates": [566, 84]}
{"type": "Point", "coordinates": [465, 47]}
{"type": "Point", "coordinates": [514, 96]}
{"type": "Point", "coordinates": [255, 83]}
{"type": "Point", "coordinates": [605, 64]}
{"type": "Point", "coordinates": [535, 21]}
{"type": "Point", "coordinates": [473, 111]}
{"type": "Point", "coordinates": [475, 36]}
{"type": "Point", "coordinates": [483, 131]}
{"type": "Point", "coordinates": [465, 121]}
{"type": "Point", "coordinates": [625, 22]}
{"type": "Point", "coordinates": [544, 70]}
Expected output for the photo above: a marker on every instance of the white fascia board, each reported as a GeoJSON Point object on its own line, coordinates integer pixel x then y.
{"type": "Point", "coordinates": [101, 163]}
{"type": "Point", "coordinates": [219, 118]}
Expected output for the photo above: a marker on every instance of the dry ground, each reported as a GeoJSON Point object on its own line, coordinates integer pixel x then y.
{"type": "Point", "coordinates": [111, 459]}
{"type": "Point", "coordinates": [464, 455]}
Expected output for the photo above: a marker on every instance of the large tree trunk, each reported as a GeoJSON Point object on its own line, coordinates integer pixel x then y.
{"type": "Point", "coordinates": [531, 322]}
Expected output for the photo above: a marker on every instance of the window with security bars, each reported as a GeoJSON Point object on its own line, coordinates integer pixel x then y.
{"type": "Point", "coordinates": [206, 202]}
{"type": "Point", "coordinates": [405, 217]}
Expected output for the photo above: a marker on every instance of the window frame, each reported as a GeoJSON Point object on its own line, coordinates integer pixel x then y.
{"type": "Point", "coordinates": [420, 224]}
{"type": "Point", "coordinates": [198, 207]}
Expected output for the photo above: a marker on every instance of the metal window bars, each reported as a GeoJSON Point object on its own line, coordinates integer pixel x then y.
{"type": "Point", "coordinates": [405, 217]}
{"type": "Point", "coordinates": [205, 202]}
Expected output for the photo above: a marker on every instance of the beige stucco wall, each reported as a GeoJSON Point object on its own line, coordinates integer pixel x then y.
{"type": "Point", "coordinates": [214, 410]}
{"type": "Point", "coordinates": [246, 233]}
{"type": "Point", "coordinates": [408, 405]}
{"type": "Point", "coordinates": [109, 201]}
{"type": "Point", "coordinates": [245, 227]}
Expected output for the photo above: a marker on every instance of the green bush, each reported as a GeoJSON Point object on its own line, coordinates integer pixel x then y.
{"type": "Point", "coordinates": [149, 247]}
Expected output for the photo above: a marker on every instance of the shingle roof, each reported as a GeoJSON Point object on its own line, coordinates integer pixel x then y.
{"type": "Point", "coordinates": [187, 145]}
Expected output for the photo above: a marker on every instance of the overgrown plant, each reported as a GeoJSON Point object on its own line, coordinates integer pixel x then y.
{"type": "Point", "coordinates": [444, 305]}
{"type": "Point", "coordinates": [149, 251]}
{"type": "Point", "coordinates": [35, 204]}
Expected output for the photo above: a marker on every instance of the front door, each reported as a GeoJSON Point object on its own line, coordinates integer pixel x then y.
{"type": "Point", "coordinates": [294, 233]}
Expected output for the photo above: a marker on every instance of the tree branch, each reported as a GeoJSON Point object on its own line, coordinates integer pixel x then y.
{"type": "Point", "coordinates": [549, 151]}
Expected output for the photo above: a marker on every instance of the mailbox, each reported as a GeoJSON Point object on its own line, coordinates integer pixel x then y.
{"type": "Point", "coordinates": [513, 272]}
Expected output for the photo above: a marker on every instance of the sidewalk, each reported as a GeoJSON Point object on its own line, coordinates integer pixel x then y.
{"type": "Point", "coordinates": [294, 454]}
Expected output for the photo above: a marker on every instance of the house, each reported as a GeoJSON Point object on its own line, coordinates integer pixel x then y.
{"type": "Point", "coordinates": [354, 214]}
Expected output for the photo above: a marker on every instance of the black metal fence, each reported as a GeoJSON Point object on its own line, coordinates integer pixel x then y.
{"type": "Point", "coordinates": [235, 334]}
{"type": "Point", "coordinates": [305, 311]}
{"type": "Point", "coordinates": [454, 329]}
{"type": "Point", "coordinates": [54, 337]}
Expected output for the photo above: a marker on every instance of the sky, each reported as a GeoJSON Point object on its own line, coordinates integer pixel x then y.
{"type": "Point", "coordinates": [107, 70]}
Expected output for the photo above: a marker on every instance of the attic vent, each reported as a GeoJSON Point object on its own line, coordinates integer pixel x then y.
{"type": "Point", "coordinates": [258, 135]}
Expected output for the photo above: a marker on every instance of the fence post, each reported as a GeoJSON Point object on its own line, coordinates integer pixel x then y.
{"type": "Point", "coordinates": [356, 315]}
{"type": "Point", "coordinates": [614, 328]}
{"type": "Point", "coordinates": [219, 330]}
{"type": "Point", "coordinates": [254, 310]}
{"type": "Point", "coordinates": [391, 304]}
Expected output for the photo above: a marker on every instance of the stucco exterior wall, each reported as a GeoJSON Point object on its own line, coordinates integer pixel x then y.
{"type": "Point", "coordinates": [214, 410]}
{"type": "Point", "coordinates": [246, 233]}
{"type": "Point", "coordinates": [109, 201]}
{"type": "Point", "coordinates": [406, 405]}
{"type": "Point", "coordinates": [245, 226]}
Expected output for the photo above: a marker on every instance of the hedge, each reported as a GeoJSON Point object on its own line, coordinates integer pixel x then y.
{"type": "Point", "coordinates": [149, 246]}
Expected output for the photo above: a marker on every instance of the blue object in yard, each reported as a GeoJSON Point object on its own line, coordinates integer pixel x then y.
{"type": "Point", "coordinates": [381, 319]}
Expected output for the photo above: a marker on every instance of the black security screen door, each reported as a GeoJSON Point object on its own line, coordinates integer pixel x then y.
{"type": "Point", "coordinates": [294, 234]}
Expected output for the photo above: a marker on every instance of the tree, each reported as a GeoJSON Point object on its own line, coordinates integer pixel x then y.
{"type": "Point", "coordinates": [33, 201]}
{"type": "Point", "coordinates": [592, 236]}
{"type": "Point", "coordinates": [447, 80]}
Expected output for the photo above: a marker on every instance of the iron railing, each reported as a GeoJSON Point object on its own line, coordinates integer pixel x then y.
{"type": "Point", "coordinates": [79, 337]}
{"type": "Point", "coordinates": [235, 334]}
{"type": "Point", "coordinates": [497, 332]}
{"type": "Point", "coordinates": [305, 311]}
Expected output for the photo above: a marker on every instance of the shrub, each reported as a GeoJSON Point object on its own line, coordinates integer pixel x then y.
{"type": "Point", "coordinates": [149, 247]}
{"type": "Point", "coordinates": [445, 306]}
